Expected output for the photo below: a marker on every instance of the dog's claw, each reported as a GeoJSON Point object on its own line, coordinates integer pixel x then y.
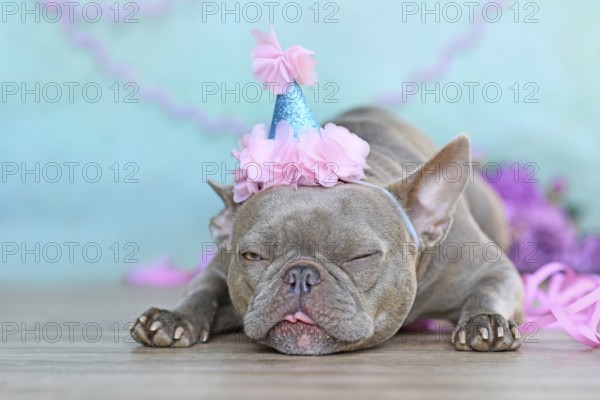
{"type": "Point", "coordinates": [484, 333]}
{"type": "Point", "coordinates": [462, 337]}
{"type": "Point", "coordinates": [178, 333]}
{"type": "Point", "coordinates": [139, 334]}
{"type": "Point", "coordinates": [500, 331]}
{"type": "Point", "coordinates": [205, 335]}
{"type": "Point", "coordinates": [155, 326]}
{"type": "Point", "coordinates": [143, 319]}
{"type": "Point", "coordinates": [515, 332]}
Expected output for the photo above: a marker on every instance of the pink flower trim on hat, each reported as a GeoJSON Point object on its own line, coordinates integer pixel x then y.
{"type": "Point", "coordinates": [316, 158]}
{"type": "Point", "coordinates": [277, 68]}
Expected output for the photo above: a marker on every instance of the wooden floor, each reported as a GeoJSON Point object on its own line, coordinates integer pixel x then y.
{"type": "Point", "coordinates": [97, 361]}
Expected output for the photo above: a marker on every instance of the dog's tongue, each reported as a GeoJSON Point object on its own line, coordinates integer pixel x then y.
{"type": "Point", "coordinates": [299, 316]}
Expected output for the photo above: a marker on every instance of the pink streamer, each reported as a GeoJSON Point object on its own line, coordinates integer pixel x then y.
{"type": "Point", "coordinates": [163, 273]}
{"type": "Point", "coordinates": [444, 60]}
{"type": "Point", "coordinates": [159, 273]}
{"type": "Point", "coordinates": [570, 302]}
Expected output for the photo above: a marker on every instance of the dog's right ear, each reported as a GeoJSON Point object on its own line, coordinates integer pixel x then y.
{"type": "Point", "coordinates": [221, 225]}
{"type": "Point", "coordinates": [225, 192]}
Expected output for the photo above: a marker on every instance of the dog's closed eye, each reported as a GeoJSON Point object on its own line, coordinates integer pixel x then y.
{"type": "Point", "coordinates": [363, 257]}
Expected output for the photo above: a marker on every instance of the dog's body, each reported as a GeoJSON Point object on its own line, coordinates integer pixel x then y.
{"type": "Point", "coordinates": [320, 270]}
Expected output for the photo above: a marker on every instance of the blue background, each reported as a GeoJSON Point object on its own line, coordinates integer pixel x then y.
{"type": "Point", "coordinates": [369, 51]}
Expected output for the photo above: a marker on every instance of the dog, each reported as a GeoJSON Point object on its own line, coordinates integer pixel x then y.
{"type": "Point", "coordinates": [314, 270]}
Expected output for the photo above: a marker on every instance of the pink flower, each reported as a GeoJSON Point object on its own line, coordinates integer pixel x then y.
{"type": "Point", "coordinates": [285, 158]}
{"type": "Point", "coordinates": [278, 68]}
{"type": "Point", "coordinates": [302, 65]}
{"type": "Point", "coordinates": [337, 154]}
{"type": "Point", "coordinates": [323, 157]}
{"type": "Point", "coordinates": [256, 151]}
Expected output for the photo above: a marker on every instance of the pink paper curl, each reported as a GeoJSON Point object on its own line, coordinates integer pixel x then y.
{"type": "Point", "coordinates": [569, 301]}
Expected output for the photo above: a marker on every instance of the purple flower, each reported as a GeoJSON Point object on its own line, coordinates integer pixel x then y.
{"type": "Point", "coordinates": [514, 183]}
{"type": "Point", "coordinates": [585, 257]}
{"type": "Point", "coordinates": [541, 233]}
{"type": "Point", "coordinates": [590, 251]}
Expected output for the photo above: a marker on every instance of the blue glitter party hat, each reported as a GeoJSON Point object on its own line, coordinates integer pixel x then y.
{"type": "Point", "coordinates": [270, 150]}
{"type": "Point", "coordinates": [293, 108]}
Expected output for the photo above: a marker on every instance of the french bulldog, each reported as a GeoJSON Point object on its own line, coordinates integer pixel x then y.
{"type": "Point", "coordinates": [316, 270]}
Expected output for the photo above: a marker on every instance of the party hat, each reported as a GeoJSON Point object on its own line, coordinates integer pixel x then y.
{"type": "Point", "coordinates": [295, 150]}
{"type": "Point", "coordinates": [293, 108]}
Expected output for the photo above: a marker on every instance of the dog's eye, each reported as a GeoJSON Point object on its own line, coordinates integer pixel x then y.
{"type": "Point", "coordinates": [250, 256]}
{"type": "Point", "coordinates": [364, 256]}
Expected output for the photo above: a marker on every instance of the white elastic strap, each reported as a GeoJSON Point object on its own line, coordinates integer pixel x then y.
{"type": "Point", "coordinates": [409, 226]}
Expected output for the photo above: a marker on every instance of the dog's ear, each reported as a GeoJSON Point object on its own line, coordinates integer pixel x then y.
{"type": "Point", "coordinates": [431, 192]}
{"type": "Point", "coordinates": [221, 225]}
{"type": "Point", "coordinates": [225, 192]}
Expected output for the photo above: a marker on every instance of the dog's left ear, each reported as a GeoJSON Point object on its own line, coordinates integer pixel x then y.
{"type": "Point", "coordinates": [221, 225]}
{"type": "Point", "coordinates": [430, 193]}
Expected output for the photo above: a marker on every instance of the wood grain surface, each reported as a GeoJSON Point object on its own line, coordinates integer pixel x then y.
{"type": "Point", "coordinates": [72, 343]}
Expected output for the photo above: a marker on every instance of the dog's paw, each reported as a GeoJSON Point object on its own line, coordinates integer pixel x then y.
{"type": "Point", "coordinates": [163, 328]}
{"type": "Point", "coordinates": [487, 332]}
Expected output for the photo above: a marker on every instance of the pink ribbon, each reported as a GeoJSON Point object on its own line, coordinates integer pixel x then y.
{"type": "Point", "coordinates": [569, 301]}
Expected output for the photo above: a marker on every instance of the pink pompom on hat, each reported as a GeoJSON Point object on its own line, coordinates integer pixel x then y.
{"type": "Point", "coordinates": [294, 150]}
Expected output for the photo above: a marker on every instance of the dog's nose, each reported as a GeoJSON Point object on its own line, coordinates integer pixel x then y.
{"type": "Point", "coordinates": [301, 278]}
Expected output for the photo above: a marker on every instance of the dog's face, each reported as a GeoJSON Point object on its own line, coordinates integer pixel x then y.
{"type": "Point", "coordinates": [320, 270]}
{"type": "Point", "coordinates": [314, 266]}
